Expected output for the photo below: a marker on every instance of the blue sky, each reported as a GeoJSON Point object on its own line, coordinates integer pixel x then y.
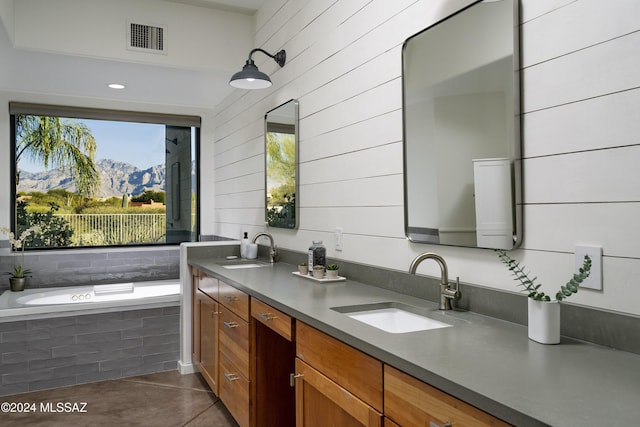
{"type": "Point", "coordinates": [139, 144]}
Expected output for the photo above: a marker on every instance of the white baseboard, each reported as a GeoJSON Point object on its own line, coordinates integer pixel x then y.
{"type": "Point", "coordinates": [186, 368]}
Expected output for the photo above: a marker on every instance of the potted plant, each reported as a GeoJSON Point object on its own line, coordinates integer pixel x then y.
{"type": "Point", "coordinates": [18, 276]}
{"type": "Point", "coordinates": [303, 269]}
{"type": "Point", "coordinates": [543, 312]}
{"type": "Point", "coordinates": [332, 271]}
{"type": "Point", "coordinates": [318, 271]}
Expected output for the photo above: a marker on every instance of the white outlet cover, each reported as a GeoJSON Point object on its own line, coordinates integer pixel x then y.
{"type": "Point", "coordinates": [337, 237]}
{"type": "Point", "coordinates": [594, 281]}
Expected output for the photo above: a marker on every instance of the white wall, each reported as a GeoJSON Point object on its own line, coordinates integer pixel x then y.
{"type": "Point", "coordinates": [581, 148]}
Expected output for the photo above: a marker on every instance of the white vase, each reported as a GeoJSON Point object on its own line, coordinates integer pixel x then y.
{"type": "Point", "coordinates": [544, 321]}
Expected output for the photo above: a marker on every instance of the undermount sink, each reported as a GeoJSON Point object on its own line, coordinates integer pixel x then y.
{"type": "Point", "coordinates": [243, 263]}
{"type": "Point", "coordinates": [396, 318]}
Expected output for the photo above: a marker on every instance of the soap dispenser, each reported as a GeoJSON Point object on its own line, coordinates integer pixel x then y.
{"type": "Point", "coordinates": [244, 246]}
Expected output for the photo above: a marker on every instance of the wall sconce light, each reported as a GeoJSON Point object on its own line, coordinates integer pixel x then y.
{"type": "Point", "coordinates": [252, 78]}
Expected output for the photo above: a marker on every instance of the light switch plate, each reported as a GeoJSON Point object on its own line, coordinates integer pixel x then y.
{"type": "Point", "coordinates": [594, 281]}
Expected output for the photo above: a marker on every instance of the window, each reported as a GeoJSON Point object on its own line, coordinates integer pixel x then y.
{"type": "Point", "coordinates": [90, 178]}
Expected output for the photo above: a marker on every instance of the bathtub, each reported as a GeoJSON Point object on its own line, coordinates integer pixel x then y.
{"type": "Point", "coordinates": [74, 300]}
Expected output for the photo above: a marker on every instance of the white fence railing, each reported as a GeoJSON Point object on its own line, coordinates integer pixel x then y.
{"type": "Point", "coordinates": [116, 229]}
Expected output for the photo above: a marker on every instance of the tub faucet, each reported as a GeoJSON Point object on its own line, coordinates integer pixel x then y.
{"type": "Point", "coordinates": [273, 254]}
{"type": "Point", "coordinates": [446, 292]}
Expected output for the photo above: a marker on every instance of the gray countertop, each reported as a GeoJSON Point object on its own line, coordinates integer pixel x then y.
{"type": "Point", "coordinates": [486, 362]}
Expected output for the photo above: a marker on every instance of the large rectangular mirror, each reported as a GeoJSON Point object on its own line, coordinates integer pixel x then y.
{"type": "Point", "coordinates": [281, 157]}
{"type": "Point", "coordinates": [461, 112]}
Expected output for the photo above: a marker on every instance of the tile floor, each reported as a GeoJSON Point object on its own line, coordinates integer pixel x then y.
{"type": "Point", "coordinates": [161, 399]}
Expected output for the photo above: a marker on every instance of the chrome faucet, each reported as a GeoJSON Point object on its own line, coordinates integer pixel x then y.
{"type": "Point", "coordinates": [446, 292]}
{"type": "Point", "coordinates": [273, 254]}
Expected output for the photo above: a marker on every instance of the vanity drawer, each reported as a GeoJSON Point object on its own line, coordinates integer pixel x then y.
{"type": "Point", "coordinates": [276, 320]}
{"type": "Point", "coordinates": [234, 390]}
{"type": "Point", "coordinates": [234, 339]}
{"type": "Point", "coordinates": [208, 285]}
{"type": "Point", "coordinates": [352, 369]}
{"type": "Point", "coordinates": [234, 299]}
{"type": "Point", "coordinates": [409, 402]}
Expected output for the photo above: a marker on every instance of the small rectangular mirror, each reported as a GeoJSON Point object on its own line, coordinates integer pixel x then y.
{"type": "Point", "coordinates": [281, 165]}
{"type": "Point", "coordinates": [461, 112]}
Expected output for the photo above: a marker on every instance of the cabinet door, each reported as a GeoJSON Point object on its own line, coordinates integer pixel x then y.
{"type": "Point", "coordinates": [273, 359]}
{"type": "Point", "coordinates": [235, 390]}
{"type": "Point", "coordinates": [196, 299]}
{"type": "Point", "coordinates": [209, 316]}
{"type": "Point", "coordinates": [354, 370]}
{"type": "Point", "coordinates": [410, 402]}
{"type": "Point", "coordinates": [320, 402]}
{"type": "Point", "coordinates": [234, 339]}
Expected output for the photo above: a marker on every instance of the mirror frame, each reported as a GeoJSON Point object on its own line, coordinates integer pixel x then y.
{"type": "Point", "coordinates": [296, 211]}
{"type": "Point", "coordinates": [517, 213]}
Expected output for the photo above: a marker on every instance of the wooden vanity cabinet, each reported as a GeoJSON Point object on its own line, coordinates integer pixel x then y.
{"type": "Point", "coordinates": [335, 383]}
{"type": "Point", "coordinates": [205, 327]}
{"type": "Point", "coordinates": [273, 345]}
{"type": "Point", "coordinates": [235, 373]}
{"type": "Point", "coordinates": [411, 402]}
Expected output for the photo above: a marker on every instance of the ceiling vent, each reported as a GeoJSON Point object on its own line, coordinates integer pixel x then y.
{"type": "Point", "coordinates": [146, 38]}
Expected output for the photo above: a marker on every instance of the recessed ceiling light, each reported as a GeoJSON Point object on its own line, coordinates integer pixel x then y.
{"type": "Point", "coordinates": [116, 86]}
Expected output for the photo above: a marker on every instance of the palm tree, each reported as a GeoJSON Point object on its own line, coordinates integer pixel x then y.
{"type": "Point", "coordinates": [59, 143]}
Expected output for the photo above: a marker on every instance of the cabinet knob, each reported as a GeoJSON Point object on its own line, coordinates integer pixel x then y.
{"type": "Point", "coordinates": [230, 298]}
{"type": "Point", "coordinates": [214, 313]}
{"type": "Point", "coordinates": [231, 324]}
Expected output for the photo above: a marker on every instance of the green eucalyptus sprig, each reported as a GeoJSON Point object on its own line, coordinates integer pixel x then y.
{"type": "Point", "coordinates": [530, 286]}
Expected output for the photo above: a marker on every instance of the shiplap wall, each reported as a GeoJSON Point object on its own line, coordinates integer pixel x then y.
{"type": "Point", "coordinates": [581, 103]}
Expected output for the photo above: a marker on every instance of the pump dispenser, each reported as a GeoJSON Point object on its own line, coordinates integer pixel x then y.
{"type": "Point", "coordinates": [244, 245]}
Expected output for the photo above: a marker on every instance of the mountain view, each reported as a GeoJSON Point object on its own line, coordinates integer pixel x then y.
{"type": "Point", "coordinates": [117, 178]}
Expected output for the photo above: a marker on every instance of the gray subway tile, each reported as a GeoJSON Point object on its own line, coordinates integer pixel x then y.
{"type": "Point", "coordinates": [51, 342]}
{"type": "Point", "coordinates": [11, 389]}
{"type": "Point", "coordinates": [21, 356]}
{"type": "Point", "coordinates": [161, 357]}
{"type": "Point", "coordinates": [111, 325]}
{"type": "Point", "coordinates": [99, 376]}
{"type": "Point", "coordinates": [13, 326]}
{"type": "Point", "coordinates": [76, 369]}
{"type": "Point", "coordinates": [52, 363]}
{"type": "Point", "coordinates": [99, 337]}
{"type": "Point", "coordinates": [160, 348]}
{"type": "Point", "coordinates": [27, 377]}
{"type": "Point", "coordinates": [75, 349]}
{"type": "Point", "coordinates": [127, 362]}
{"type": "Point", "coordinates": [12, 368]}
{"type": "Point", "coordinates": [28, 335]}
{"type": "Point", "coordinates": [52, 323]}
{"type": "Point", "coordinates": [161, 339]}
{"type": "Point", "coordinates": [52, 383]}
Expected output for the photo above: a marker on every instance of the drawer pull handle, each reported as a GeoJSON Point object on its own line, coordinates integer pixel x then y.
{"type": "Point", "coordinates": [230, 298]}
{"type": "Point", "coordinates": [267, 317]}
{"type": "Point", "coordinates": [292, 379]}
{"type": "Point", "coordinates": [214, 313]}
{"type": "Point", "coordinates": [435, 424]}
{"type": "Point", "coordinates": [231, 377]}
{"type": "Point", "coordinates": [231, 324]}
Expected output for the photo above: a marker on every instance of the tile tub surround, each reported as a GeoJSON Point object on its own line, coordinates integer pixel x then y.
{"type": "Point", "coordinates": [56, 352]}
{"type": "Point", "coordinates": [96, 266]}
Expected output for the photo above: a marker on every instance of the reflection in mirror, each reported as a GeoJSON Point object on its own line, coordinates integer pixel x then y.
{"type": "Point", "coordinates": [281, 153]}
{"type": "Point", "coordinates": [461, 129]}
